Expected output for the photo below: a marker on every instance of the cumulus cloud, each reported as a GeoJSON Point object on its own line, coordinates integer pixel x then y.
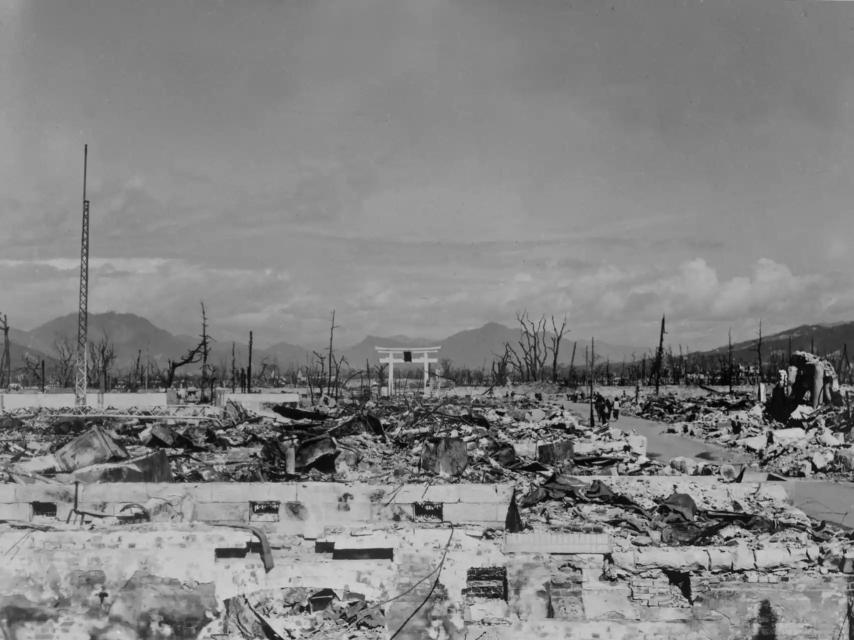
{"type": "Point", "coordinates": [381, 295]}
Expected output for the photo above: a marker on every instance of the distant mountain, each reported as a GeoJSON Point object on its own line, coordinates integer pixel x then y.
{"type": "Point", "coordinates": [129, 334]}
{"type": "Point", "coordinates": [358, 353]}
{"type": "Point", "coordinates": [823, 339]}
{"type": "Point", "coordinates": [477, 348]}
{"type": "Point", "coordinates": [284, 354]}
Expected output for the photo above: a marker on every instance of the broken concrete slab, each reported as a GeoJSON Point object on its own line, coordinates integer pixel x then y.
{"type": "Point", "coordinates": [151, 467]}
{"type": "Point", "coordinates": [93, 447]}
{"type": "Point", "coordinates": [788, 436]}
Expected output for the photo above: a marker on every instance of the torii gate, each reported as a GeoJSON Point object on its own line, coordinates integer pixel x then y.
{"type": "Point", "coordinates": [406, 355]}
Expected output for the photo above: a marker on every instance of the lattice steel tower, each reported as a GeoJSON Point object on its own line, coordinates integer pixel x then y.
{"type": "Point", "coordinates": [80, 382]}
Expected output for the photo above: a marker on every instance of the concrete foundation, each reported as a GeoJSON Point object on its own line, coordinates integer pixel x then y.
{"type": "Point", "coordinates": [11, 401]}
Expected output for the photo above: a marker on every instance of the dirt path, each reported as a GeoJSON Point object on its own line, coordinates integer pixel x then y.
{"type": "Point", "coordinates": [820, 499]}
{"type": "Point", "coordinates": [664, 446]}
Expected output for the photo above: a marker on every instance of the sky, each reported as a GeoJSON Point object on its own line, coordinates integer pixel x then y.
{"type": "Point", "coordinates": [427, 166]}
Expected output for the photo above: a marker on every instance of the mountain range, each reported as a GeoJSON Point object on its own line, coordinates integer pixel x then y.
{"type": "Point", "coordinates": [133, 336]}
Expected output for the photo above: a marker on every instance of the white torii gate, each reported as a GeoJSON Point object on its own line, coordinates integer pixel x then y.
{"type": "Point", "coordinates": [391, 358]}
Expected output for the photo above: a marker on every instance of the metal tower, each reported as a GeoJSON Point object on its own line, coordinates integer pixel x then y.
{"type": "Point", "coordinates": [80, 382]}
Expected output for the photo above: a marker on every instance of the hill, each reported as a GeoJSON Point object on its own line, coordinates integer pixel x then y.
{"type": "Point", "coordinates": [822, 339]}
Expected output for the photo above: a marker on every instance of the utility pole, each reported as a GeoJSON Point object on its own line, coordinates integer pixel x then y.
{"type": "Point", "coordinates": [205, 351]}
{"type": "Point", "coordinates": [329, 356]}
{"type": "Point", "coordinates": [592, 358]}
{"type": "Point", "coordinates": [233, 364]}
{"type": "Point", "coordinates": [42, 376]}
{"type": "Point", "coordinates": [730, 360]}
{"type": "Point", "coordinates": [812, 344]}
{"type": "Point", "coordinates": [249, 368]}
{"type": "Point", "coordinates": [759, 362]}
{"type": "Point", "coordinates": [845, 361]}
{"type": "Point", "coordinates": [6, 360]}
{"type": "Point", "coordinates": [80, 382]}
{"type": "Point", "coordinates": [572, 363]}
{"type": "Point", "coordinates": [659, 357]}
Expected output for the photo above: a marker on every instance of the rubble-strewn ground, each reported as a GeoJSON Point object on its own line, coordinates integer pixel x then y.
{"type": "Point", "coordinates": [593, 532]}
{"type": "Point", "coordinates": [810, 443]}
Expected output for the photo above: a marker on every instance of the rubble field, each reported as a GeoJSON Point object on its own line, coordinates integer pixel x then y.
{"type": "Point", "coordinates": [456, 517]}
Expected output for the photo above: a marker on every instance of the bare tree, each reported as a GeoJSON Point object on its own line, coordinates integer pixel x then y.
{"type": "Point", "coordinates": [64, 362]}
{"type": "Point", "coordinates": [535, 345]}
{"type": "Point", "coordinates": [196, 354]}
{"type": "Point", "coordinates": [205, 350]}
{"type": "Point", "coordinates": [500, 367]}
{"type": "Point", "coordinates": [556, 337]}
{"type": "Point", "coordinates": [102, 355]}
{"type": "Point", "coordinates": [32, 368]}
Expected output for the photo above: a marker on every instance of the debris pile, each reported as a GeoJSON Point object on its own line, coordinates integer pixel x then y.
{"type": "Point", "coordinates": [487, 440]}
{"type": "Point", "coordinates": [811, 442]}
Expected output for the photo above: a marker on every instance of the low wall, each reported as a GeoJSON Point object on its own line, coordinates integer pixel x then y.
{"type": "Point", "coordinates": [257, 401]}
{"type": "Point", "coordinates": [54, 578]}
{"type": "Point", "coordinates": [11, 401]}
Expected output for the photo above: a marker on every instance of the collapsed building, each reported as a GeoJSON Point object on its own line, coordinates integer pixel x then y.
{"type": "Point", "coordinates": [486, 517]}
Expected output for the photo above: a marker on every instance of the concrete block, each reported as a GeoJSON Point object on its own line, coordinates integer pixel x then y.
{"type": "Point", "coordinates": [743, 559]}
{"type": "Point", "coordinates": [772, 557]}
{"type": "Point", "coordinates": [789, 436]}
{"type": "Point", "coordinates": [754, 443]}
{"type": "Point", "coordinates": [798, 554]}
{"type": "Point", "coordinates": [720, 559]}
{"type": "Point", "coordinates": [459, 513]}
{"type": "Point", "coordinates": [680, 559]}
{"type": "Point", "coordinates": [8, 492]}
{"type": "Point", "coordinates": [526, 449]}
{"type": "Point", "coordinates": [15, 511]}
{"type": "Point", "coordinates": [572, 543]}
{"type": "Point", "coordinates": [222, 512]}
{"type": "Point", "coordinates": [624, 560]}
{"type": "Point", "coordinates": [37, 492]}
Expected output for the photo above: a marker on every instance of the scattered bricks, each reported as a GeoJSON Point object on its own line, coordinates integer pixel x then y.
{"type": "Point", "coordinates": [772, 557]}
{"type": "Point", "coordinates": [486, 582]}
{"type": "Point", "coordinates": [700, 584]}
{"type": "Point", "coordinates": [565, 597]}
